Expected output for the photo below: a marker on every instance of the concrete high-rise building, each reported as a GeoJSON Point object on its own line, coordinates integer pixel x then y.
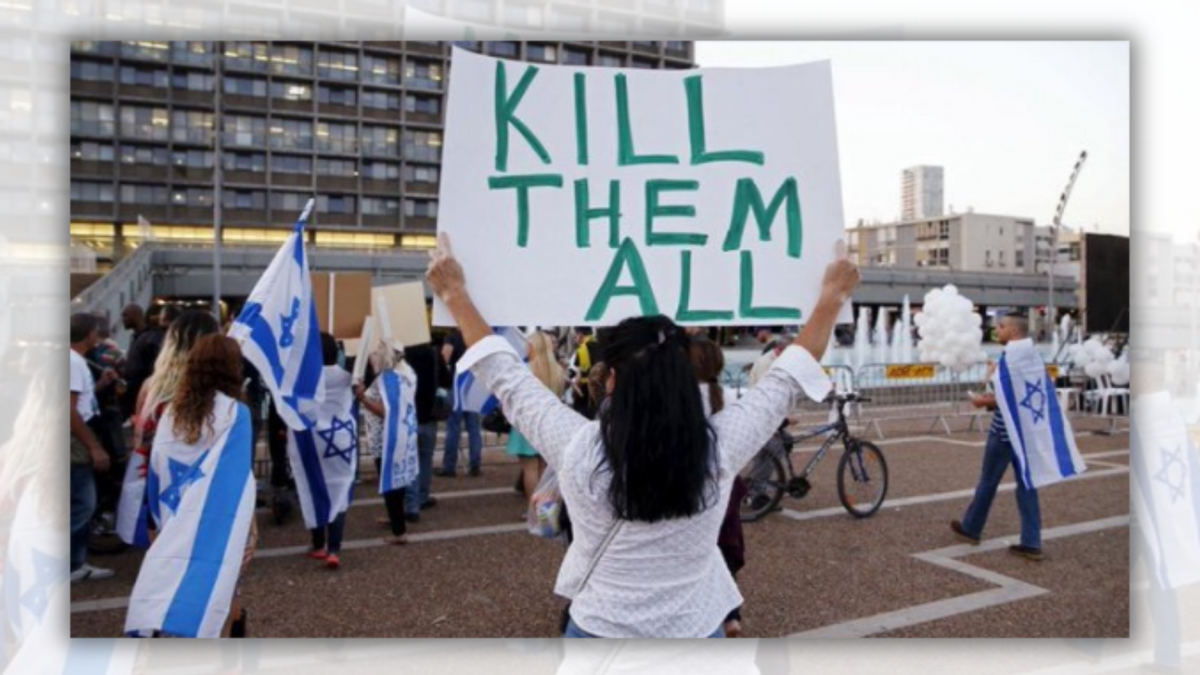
{"type": "Point", "coordinates": [963, 242]}
{"type": "Point", "coordinates": [359, 124]}
{"type": "Point", "coordinates": [921, 193]}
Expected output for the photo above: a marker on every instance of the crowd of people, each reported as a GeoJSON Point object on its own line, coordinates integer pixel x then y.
{"type": "Point", "coordinates": [632, 419]}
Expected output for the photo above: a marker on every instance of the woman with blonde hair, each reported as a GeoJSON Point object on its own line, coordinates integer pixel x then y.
{"type": "Point", "coordinates": [547, 370]}
{"type": "Point", "coordinates": [201, 492]}
{"type": "Point", "coordinates": [153, 399]}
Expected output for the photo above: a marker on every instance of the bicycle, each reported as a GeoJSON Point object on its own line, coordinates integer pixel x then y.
{"type": "Point", "coordinates": [862, 471]}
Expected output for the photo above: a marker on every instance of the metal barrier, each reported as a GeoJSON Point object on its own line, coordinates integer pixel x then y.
{"type": "Point", "coordinates": [916, 391]}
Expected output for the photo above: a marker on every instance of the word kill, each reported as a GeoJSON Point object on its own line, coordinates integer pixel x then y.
{"type": "Point", "coordinates": [747, 199]}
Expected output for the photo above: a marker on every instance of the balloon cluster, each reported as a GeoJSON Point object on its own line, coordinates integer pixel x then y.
{"type": "Point", "coordinates": [1097, 360]}
{"type": "Point", "coordinates": [950, 329]}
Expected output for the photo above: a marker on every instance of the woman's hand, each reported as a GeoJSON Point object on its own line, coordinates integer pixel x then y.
{"type": "Point", "coordinates": [358, 391]}
{"type": "Point", "coordinates": [841, 278]}
{"type": "Point", "coordinates": [445, 275]}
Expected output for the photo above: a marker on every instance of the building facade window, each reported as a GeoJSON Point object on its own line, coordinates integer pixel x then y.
{"type": "Point", "coordinates": [245, 86]}
{"type": "Point", "coordinates": [420, 208]}
{"type": "Point", "coordinates": [191, 126]}
{"type": "Point", "coordinates": [335, 203]}
{"type": "Point", "coordinates": [341, 138]}
{"type": "Point", "coordinates": [289, 201]}
{"type": "Point", "coordinates": [245, 199]}
{"type": "Point", "coordinates": [502, 48]}
{"type": "Point", "coordinates": [423, 145]}
{"type": "Point", "coordinates": [145, 154]}
{"type": "Point", "coordinates": [143, 194]}
{"type": "Point", "coordinates": [150, 51]}
{"type": "Point", "coordinates": [545, 53]}
{"type": "Point", "coordinates": [344, 168]}
{"type": "Point", "coordinates": [575, 57]}
{"type": "Point", "coordinates": [194, 197]}
{"type": "Point", "coordinates": [193, 53]}
{"type": "Point", "coordinates": [380, 206]}
{"type": "Point", "coordinates": [337, 96]}
{"type": "Point", "coordinates": [428, 105]}
{"type": "Point", "coordinates": [244, 161]}
{"type": "Point", "coordinates": [145, 123]}
{"type": "Point", "coordinates": [103, 47]}
{"type": "Point", "coordinates": [192, 81]}
{"type": "Point", "coordinates": [381, 141]}
{"type": "Point", "coordinates": [289, 134]}
{"type": "Point", "coordinates": [89, 151]}
{"type": "Point", "coordinates": [380, 69]}
{"type": "Point", "coordinates": [196, 159]}
{"type": "Point", "coordinates": [92, 119]}
{"type": "Point", "coordinates": [84, 191]}
{"type": "Point", "coordinates": [290, 164]}
{"type": "Point", "coordinates": [381, 100]}
{"type": "Point", "coordinates": [381, 170]}
{"type": "Point", "coordinates": [247, 56]}
{"type": "Point", "coordinates": [290, 59]}
{"type": "Point", "coordinates": [243, 130]}
{"type": "Point", "coordinates": [610, 61]}
{"type": "Point", "coordinates": [338, 65]}
{"type": "Point", "coordinates": [421, 174]}
{"type": "Point", "coordinates": [423, 74]}
{"type": "Point", "coordinates": [144, 76]}
{"type": "Point", "coordinates": [91, 71]}
{"type": "Point", "coordinates": [291, 91]}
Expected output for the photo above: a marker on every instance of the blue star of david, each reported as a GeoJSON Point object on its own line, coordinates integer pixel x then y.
{"type": "Point", "coordinates": [182, 475]}
{"type": "Point", "coordinates": [287, 323]}
{"type": "Point", "coordinates": [1035, 401]}
{"type": "Point", "coordinates": [46, 571]}
{"type": "Point", "coordinates": [332, 449]}
{"type": "Point", "coordinates": [1175, 480]}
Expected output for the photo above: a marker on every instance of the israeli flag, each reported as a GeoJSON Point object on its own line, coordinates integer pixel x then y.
{"type": "Point", "coordinates": [1166, 490]}
{"type": "Point", "coordinates": [133, 512]}
{"type": "Point", "coordinates": [202, 498]}
{"type": "Point", "coordinates": [279, 334]}
{"type": "Point", "coordinates": [398, 465]}
{"type": "Point", "coordinates": [324, 457]}
{"type": "Point", "coordinates": [469, 394]}
{"type": "Point", "coordinates": [1041, 434]}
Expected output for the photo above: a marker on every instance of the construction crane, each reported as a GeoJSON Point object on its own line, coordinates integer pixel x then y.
{"type": "Point", "coordinates": [1058, 213]}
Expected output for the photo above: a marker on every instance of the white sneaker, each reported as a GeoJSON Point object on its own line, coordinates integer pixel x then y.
{"type": "Point", "coordinates": [89, 573]}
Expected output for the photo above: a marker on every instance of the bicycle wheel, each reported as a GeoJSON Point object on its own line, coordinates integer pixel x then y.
{"type": "Point", "coordinates": [765, 483]}
{"type": "Point", "coordinates": [862, 479]}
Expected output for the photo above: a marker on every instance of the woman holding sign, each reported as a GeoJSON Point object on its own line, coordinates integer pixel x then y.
{"type": "Point", "coordinates": [648, 482]}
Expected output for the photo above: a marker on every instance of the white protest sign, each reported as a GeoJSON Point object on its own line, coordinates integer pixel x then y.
{"type": "Point", "coordinates": [582, 196]}
{"type": "Point", "coordinates": [401, 312]}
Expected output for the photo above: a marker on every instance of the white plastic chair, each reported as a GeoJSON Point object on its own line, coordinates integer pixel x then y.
{"type": "Point", "coordinates": [1105, 396]}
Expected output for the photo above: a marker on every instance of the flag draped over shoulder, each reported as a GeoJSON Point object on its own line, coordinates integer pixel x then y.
{"type": "Point", "coordinates": [132, 510]}
{"type": "Point", "coordinates": [324, 457]}
{"type": "Point", "coordinates": [202, 498]}
{"type": "Point", "coordinates": [469, 394]}
{"type": "Point", "coordinates": [1166, 490]}
{"type": "Point", "coordinates": [1041, 434]}
{"type": "Point", "coordinates": [279, 334]}
{"type": "Point", "coordinates": [398, 464]}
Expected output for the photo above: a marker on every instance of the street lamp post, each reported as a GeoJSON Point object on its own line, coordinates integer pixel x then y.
{"type": "Point", "coordinates": [219, 85]}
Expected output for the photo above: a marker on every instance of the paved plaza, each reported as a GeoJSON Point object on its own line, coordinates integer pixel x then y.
{"type": "Point", "coordinates": [472, 570]}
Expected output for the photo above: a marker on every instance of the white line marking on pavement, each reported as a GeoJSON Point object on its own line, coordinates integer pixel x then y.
{"type": "Point", "coordinates": [939, 497]}
{"type": "Point", "coordinates": [483, 492]}
{"type": "Point", "coordinates": [1010, 589]}
{"type": "Point", "coordinates": [84, 606]}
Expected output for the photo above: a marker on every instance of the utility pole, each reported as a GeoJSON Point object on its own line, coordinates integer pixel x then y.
{"type": "Point", "coordinates": [217, 129]}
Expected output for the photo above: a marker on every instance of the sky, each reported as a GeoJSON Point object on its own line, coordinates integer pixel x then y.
{"type": "Point", "coordinates": [1006, 120]}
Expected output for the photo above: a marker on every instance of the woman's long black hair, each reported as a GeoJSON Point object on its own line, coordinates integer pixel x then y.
{"type": "Point", "coordinates": [658, 444]}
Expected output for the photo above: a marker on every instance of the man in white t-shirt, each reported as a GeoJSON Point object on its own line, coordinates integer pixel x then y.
{"type": "Point", "coordinates": [87, 455]}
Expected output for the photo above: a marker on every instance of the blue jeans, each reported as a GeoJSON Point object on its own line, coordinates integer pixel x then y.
{"type": "Point", "coordinates": [997, 456]}
{"type": "Point", "coordinates": [574, 631]}
{"type": "Point", "coordinates": [474, 437]}
{"type": "Point", "coordinates": [426, 439]}
{"type": "Point", "coordinates": [83, 506]}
